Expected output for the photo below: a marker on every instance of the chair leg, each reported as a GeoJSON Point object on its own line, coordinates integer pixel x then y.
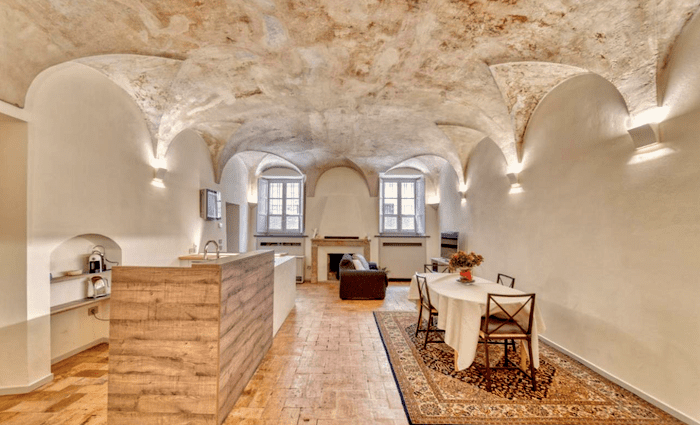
{"type": "Point", "coordinates": [488, 365]}
{"type": "Point", "coordinates": [505, 352]}
{"type": "Point", "coordinates": [427, 330]}
{"type": "Point", "coordinates": [532, 366]}
{"type": "Point", "coordinates": [420, 317]}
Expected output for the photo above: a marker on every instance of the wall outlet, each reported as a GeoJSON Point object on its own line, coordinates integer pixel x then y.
{"type": "Point", "coordinates": [92, 311]}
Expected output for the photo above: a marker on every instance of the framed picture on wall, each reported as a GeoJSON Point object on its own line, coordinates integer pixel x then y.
{"type": "Point", "coordinates": [210, 204]}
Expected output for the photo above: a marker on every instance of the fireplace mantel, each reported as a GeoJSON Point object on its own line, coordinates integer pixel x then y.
{"type": "Point", "coordinates": [316, 242]}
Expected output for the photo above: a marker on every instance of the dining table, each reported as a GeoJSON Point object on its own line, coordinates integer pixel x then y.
{"type": "Point", "coordinates": [460, 308]}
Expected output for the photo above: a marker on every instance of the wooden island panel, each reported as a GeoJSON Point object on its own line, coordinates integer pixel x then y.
{"type": "Point", "coordinates": [185, 341]}
{"type": "Point", "coordinates": [245, 325]}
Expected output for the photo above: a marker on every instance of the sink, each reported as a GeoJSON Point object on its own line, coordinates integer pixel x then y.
{"type": "Point", "coordinates": [210, 256]}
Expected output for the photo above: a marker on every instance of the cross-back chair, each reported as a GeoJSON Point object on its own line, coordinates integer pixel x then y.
{"type": "Point", "coordinates": [434, 268]}
{"type": "Point", "coordinates": [505, 280]}
{"type": "Point", "coordinates": [509, 281]}
{"type": "Point", "coordinates": [506, 327]}
{"type": "Point", "coordinates": [426, 304]}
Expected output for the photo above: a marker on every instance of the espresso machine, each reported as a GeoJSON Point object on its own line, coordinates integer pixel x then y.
{"type": "Point", "coordinates": [96, 261]}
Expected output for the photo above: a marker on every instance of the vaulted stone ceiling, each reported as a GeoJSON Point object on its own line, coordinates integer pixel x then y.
{"type": "Point", "coordinates": [365, 83]}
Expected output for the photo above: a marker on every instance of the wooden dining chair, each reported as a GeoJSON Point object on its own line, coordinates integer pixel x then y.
{"type": "Point", "coordinates": [509, 281]}
{"type": "Point", "coordinates": [506, 327]}
{"type": "Point", "coordinates": [505, 280]}
{"type": "Point", "coordinates": [426, 305]}
{"type": "Point", "coordinates": [430, 268]}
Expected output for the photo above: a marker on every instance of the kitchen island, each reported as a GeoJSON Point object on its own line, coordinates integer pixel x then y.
{"type": "Point", "coordinates": [185, 341]}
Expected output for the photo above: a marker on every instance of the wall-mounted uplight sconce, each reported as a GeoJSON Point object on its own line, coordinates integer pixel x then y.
{"type": "Point", "coordinates": [159, 168]}
{"type": "Point", "coordinates": [644, 127]}
{"type": "Point", "coordinates": [433, 201]}
{"type": "Point", "coordinates": [515, 186]}
{"type": "Point", "coordinates": [158, 177]}
{"type": "Point", "coordinates": [644, 135]}
{"type": "Point", "coordinates": [158, 163]}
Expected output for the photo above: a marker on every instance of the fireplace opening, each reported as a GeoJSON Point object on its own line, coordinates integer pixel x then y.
{"type": "Point", "coordinates": [333, 266]}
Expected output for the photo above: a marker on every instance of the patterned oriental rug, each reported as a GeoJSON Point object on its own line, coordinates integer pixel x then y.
{"type": "Point", "coordinates": [567, 393]}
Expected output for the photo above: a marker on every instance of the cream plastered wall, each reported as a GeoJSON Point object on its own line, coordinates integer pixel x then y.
{"type": "Point", "coordinates": [451, 200]}
{"type": "Point", "coordinates": [607, 237]}
{"type": "Point", "coordinates": [90, 171]}
{"type": "Point", "coordinates": [234, 185]}
{"type": "Point", "coordinates": [13, 220]}
{"type": "Point", "coordinates": [342, 206]}
{"type": "Point", "coordinates": [18, 366]}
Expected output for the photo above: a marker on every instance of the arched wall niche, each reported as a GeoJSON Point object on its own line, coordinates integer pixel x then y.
{"type": "Point", "coordinates": [72, 253]}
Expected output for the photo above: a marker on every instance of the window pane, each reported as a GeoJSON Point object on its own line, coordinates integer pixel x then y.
{"type": "Point", "coordinates": [276, 190]}
{"type": "Point", "coordinates": [390, 223]}
{"type": "Point", "coordinates": [292, 206]}
{"type": "Point", "coordinates": [408, 190]}
{"type": "Point", "coordinates": [408, 206]}
{"type": "Point", "coordinates": [408, 223]}
{"type": "Point", "coordinates": [275, 223]}
{"type": "Point", "coordinates": [293, 223]}
{"type": "Point", "coordinates": [276, 206]}
{"type": "Point", "coordinates": [391, 190]}
{"type": "Point", "coordinates": [292, 190]}
{"type": "Point", "coordinates": [391, 206]}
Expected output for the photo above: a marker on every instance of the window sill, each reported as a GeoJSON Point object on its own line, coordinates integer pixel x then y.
{"type": "Point", "coordinates": [281, 235]}
{"type": "Point", "coordinates": [398, 235]}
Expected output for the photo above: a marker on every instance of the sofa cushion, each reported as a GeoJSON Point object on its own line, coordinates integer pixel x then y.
{"type": "Point", "coordinates": [346, 262]}
{"type": "Point", "coordinates": [358, 265]}
{"type": "Point", "coordinates": [362, 259]}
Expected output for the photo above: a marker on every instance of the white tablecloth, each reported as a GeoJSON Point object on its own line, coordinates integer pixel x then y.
{"type": "Point", "coordinates": [460, 308]}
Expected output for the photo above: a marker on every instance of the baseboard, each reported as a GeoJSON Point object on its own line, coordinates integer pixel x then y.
{"type": "Point", "coordinates": [27, 388]}
{"type": "Point", "coordinates": [631, 388]}
{"type": "Point", "coordinates": [72, 353]}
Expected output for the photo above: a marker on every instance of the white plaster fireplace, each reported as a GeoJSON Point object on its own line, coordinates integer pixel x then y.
{"type": "Point", "coordinates": [323, 247]}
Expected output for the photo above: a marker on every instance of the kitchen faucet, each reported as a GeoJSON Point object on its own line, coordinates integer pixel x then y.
{"type": "Point", "coordinates": [206, 245]}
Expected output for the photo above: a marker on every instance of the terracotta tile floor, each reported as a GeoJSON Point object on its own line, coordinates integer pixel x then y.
{"type": "Point", "coordinates": [327, 365]}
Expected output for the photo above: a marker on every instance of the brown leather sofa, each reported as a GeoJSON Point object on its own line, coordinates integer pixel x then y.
{"type": "Point", "coordinates": [361, 284]}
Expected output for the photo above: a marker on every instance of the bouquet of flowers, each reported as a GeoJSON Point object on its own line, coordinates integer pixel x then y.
{"type": "Point", "coordinates": [461, 259]}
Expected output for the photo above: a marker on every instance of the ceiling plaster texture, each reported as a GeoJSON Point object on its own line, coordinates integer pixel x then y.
{"type": "Point", "coordinates": [365, 83]}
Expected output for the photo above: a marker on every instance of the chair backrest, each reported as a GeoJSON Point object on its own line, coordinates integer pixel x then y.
{"type": "Point", "coordinates": [434, 268]}
{"type": "Point", "coordinates": [505, 280]}
{"type": "Point", "coordinates": [423, 291]}
{"type": "Point", "coordinates": [516, 310]}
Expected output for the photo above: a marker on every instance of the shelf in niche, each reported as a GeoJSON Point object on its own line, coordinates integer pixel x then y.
{"type": "Point", "coordinates": [77, 304]}
{"type": "Point", "coordinates": [64, 278]}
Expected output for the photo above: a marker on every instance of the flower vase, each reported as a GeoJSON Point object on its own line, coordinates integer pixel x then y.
{"type": "Point", "coordinates": [465, 274]}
